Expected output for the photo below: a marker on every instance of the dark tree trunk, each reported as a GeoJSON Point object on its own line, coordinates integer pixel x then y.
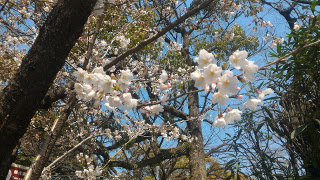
{"type": "Point", "coordinates": [22, 96]}
{"type": "Point", "coordinates": [196, 150]}
{"type": "Point", "coordinates": [301, 112]}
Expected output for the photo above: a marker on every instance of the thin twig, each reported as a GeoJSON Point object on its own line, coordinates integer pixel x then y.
{"type": "Point", "coordinates": [93, 40]}
{"type": "Point", "coordinates": [69, 152]}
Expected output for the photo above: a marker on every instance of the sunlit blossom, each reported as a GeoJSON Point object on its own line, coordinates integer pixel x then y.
{"type": "Point", "coordinates": [107, 83]}
{"type": "Point", "coordinates": [199, 79]}
{"type": "Point", "coordinates": [233, 115]}
{"type": "Point", "coordinates": [80, 74]}
{"type": "Point", "coordinates": [220, 98]}
{"type": "Point", "coordinates": [219, 122]}
{"type": "Point", "coordinates": [205, 58]}
{"type": "Point", "coordinates": [250, 70]}
{"type": "Point", "coordinates": [212, 73]}
{"type": "Point", "coordinates": [227, 83]}
{"type": "Point", "coordinates": [126, 75]}
{"type": "Point", "coordinates": [238, 59]}
{"type": "Point", "coordinates": [252, 104]}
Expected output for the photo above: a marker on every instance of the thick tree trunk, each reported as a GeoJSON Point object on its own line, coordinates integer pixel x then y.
{"type": "Point", "coordinates": [22, 96]}
{"type": "Point", "coordinates": [196, 149]}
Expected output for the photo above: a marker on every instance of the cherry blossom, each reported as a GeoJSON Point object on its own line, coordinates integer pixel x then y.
{"type": "Point", "coordinates": [156, 109]}
{"type": "Point", "coordinates": [249, 71]}
{"type": "Point", "coordinates": [163, 77]}
{"type": "Point", "coordinates": [199, 79]}
{"type": "Point", "coordinates": [212, 73]}
{"type": "Point", "coordinates": [227, 83]}
{"type": "Point", "coordinates": [80, 74]}
{"type": "Point", "coordinates": [252, 104]}
{"type": "Point", "coordinates": [238, 59]}
{"type": "Point", "coordinates": [233, 115]}
{"type": "Point", "coordinates": [220, 98]}
{"type": "Point", "coordinates": [107, 83]}
{"type": "Point", "coordinates": [265, 92]}
{"type": "Point", "coordinates": [126, 75]}
{"type": "Point", "coordinates": [205, 58]}
{"type": "Point", "coordinates": [128, 102]}
{"type": "Point", "coordinates": [296, 26]}
{"type": "Point", "coordinates": [124, 42]}
{"type": "Point", "coordinates": [219, 122]}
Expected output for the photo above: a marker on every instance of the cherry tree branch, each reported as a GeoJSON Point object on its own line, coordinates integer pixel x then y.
{"type": "Point", "coordinates": [50, 166]}
{"type": "Point", "coordinates": [158, 35]}
{"type": "Point", "coordinates": [171, 99]}
{"type": "Point", "coordinates": [175, 112]}
{"type": "Point", "coordinates": [283, 58]}
{"type": "Point", "coordinates": [4, 5]}
{"type": "Point", "coordinates": [93, 40]}
{"type": "Point", "coordinates": [161, 156]}
{"type": "Point", "coordinates": [54, 94]}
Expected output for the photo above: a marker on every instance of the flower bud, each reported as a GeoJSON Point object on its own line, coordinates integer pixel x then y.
{"type": "Point", "coordinates": [224, 66]}
{"type": "Point", "coordinates": [257, 91]}
{"type": "Point", "coordinates": [213, 85]}
{"type": "Point", "coordinates": [229, 109]}
{"type": "Point", "coordinates": [241, 79]}
{"type": "Point", "coordinates": [207, 88]}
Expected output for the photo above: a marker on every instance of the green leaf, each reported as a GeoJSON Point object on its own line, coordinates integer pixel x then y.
{"type": "Point", "coordinates": [273, 128]}
{"type": "Point", "coordinates": [230, 164]}
{"type": "Point", "coordinates": [237, 166]}
{"type": "Point", "coordinates": [268, 112]}
{"type": "Point", "coordinates": [259, 127]}
{"type": "Point", "coordinates": [297, 131]}
{"type": "Point", "coordinates": [260, 85]}
{"type": "Point", "coordinates": [271, 98]}
{"type": "Point", "coordinates": [318, 121]}
{"type": "Point", "coordinates": [313, 5]}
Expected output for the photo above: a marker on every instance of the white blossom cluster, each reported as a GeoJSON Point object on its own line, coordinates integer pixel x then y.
{"type": "Point", "coordinates": [230, 7]}
{"type": "Point", "coordinates": [208, 74]}
{"type": "Point", "coordinates": [174, 46]}
{"type": "Point", "coordinates": [296, 26]}
{"type": "Point", "coordinates": [173, 133]}
{"type": "Point", "coordinates": [92, 172]}
{"type": "Point", "coordinates": [98, 86]}
{"type": "Point", "coordinates": [275, 40]}
{"type": "Point", "coordinates": [124, 42]}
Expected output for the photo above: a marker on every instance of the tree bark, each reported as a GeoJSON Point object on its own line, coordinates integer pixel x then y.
{"type": "Point", "coordinates": [23, 95]}
{"type": "Point", "coordinates": [196, 150]}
